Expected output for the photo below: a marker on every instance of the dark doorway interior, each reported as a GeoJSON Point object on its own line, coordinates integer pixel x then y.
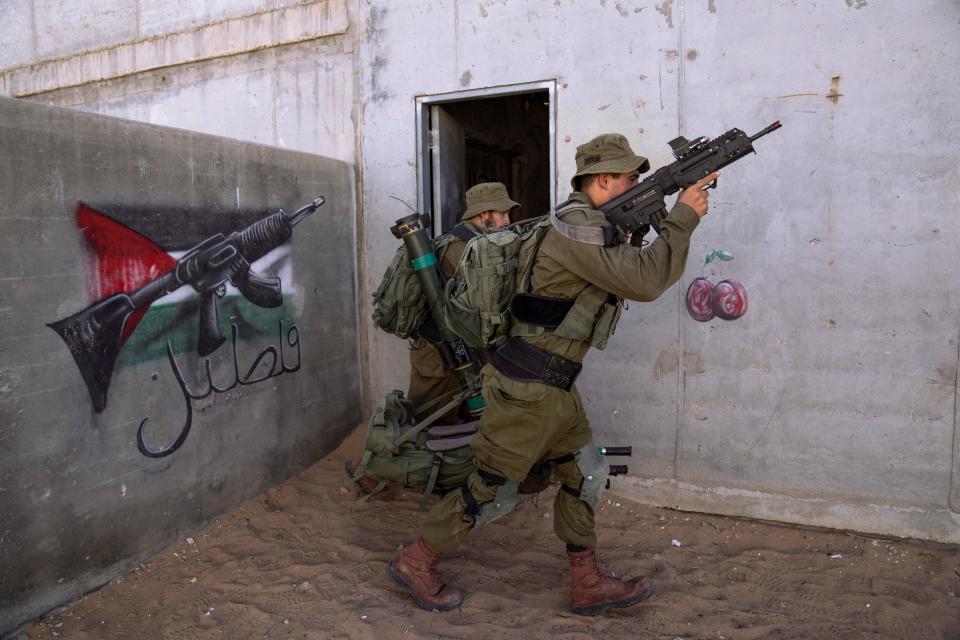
{"type": "Point", "coordinates": [491, 139]}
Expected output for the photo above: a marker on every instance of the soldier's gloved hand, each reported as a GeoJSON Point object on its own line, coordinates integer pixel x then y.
{"type": "Point", "coordinates": [696, 197]}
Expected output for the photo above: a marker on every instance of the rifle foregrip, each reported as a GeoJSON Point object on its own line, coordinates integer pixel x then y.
{"type": "Point", "coordinates": [209, 338]}
{"type": "Point", "coordinates": [264, 236]}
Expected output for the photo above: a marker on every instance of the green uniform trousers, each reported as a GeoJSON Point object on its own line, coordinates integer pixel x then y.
{"type": "Point", "coordinates": [524, 423]}
{"type": "Point", "coordinates": [429, 379]}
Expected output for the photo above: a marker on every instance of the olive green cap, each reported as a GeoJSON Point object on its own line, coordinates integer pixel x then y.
{"type": "Point", "coordinates": [487, 196]}
{"type": "Point", "coordinates": [607, 153]}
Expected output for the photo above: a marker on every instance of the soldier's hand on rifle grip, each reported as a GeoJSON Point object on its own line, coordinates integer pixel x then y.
{"type": "Point", "coordinates": [696, 197]}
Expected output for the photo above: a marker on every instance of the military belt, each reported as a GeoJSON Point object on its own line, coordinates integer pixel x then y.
{"type": "Point", "coordinates": [521, 361]}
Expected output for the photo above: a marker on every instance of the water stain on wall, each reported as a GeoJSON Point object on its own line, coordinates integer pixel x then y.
{"type": "Point", "coordinates": [834, 94]}
{"type": "Point", "coordinates": [666, 8]}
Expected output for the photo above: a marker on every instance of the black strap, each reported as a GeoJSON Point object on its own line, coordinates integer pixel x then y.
{"type": "Point", "coordinates": [574, 492]}
{"type": "Point", "coordinates": [570, 457]}
{"type": "Point", "coordinates": [539, 310]}
{"type": "Point", "coordinates": [428, 331]}
{"type": "Point", "coordinates": [491, 479]}
{"type": "Point", "coordinates": [472, 507]}
{"type": "Point", "coordinates": [521, 361]}
{"type": "Point", "coordinates": [463, 232]}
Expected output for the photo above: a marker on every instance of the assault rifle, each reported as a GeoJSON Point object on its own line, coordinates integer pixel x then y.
{"type": "Point", "coordinates": [643, 206]}
{"type": "Point", "coordinates": [94, 335]}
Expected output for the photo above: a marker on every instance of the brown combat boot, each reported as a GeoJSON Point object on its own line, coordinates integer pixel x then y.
{"type": "Point", "coordinates": [594, 592]}
{"type": "Point", "coordinates": [415, 569]}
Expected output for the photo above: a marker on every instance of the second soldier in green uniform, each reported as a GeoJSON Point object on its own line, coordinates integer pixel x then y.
{"type": "Point", "coordinates": [488, 209]}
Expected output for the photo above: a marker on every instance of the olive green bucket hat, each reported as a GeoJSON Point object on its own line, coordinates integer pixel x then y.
{"type": "Point", "coordinates": [487, 196]}
{"type": "Point", "coordinates": [607, 153]}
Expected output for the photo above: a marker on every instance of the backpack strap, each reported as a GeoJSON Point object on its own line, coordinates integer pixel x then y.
{"type": "Point", "coordinates": [605, 236]}
{"type": "Point", "coordinates": [436, 415]}
{"type": "Point", "coordinates": [432, 481]}
{"type": "Point", "coordinates": [539, 232]}
{"type": "Point", "coordinates": [463, 232]}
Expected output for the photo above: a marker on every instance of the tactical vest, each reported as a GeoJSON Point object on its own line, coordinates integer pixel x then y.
{"type": "Point", "coordinates": [476, 300]}
{"type": "Point", "coordinates": [591, 317]}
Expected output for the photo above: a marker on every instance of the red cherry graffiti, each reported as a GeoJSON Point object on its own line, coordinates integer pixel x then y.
{"type": "Point", "coordinates": [729, 300]}
{"type": "Point", "coordinates": [700, 300]}
{"type": "Point", "coordinates": [726, 300]}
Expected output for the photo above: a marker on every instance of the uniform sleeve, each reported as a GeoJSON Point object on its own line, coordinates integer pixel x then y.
{"type": "Point", "coordinates": [628, 272]}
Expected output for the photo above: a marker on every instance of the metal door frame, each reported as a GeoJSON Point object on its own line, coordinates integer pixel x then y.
{"type": "Point", "coordinates": [423, 103]}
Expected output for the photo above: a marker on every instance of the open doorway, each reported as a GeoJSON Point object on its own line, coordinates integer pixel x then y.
{"type": "Point", "coordinates": [503, 134]}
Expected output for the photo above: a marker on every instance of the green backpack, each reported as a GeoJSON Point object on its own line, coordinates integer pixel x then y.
{"type": "Point", "coordinates": [398, 303]}
{"type": "Point", "coordinates": [431, 459]}
{"type": "Point", "coordinates": [476, 299]}
{"type": "Point", "coordinates": [423, 458]}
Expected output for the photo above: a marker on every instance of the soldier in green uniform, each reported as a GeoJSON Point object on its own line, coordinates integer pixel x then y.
{"type": "Point", "coordinates": [570, 300]}
{"type": "Point", "coordinates": [488, 208]}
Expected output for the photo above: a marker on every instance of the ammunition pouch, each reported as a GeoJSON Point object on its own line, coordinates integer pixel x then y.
{"type": "Point", "coordinates": [523, 362]}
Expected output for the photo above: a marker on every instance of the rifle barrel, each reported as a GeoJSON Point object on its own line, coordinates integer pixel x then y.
{"type": "Point", "coordinates": [306, 210]}
{"type": "Point", "coordinates": [776, 125]}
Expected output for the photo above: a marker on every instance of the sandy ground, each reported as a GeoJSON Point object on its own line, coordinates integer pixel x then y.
{"type": "Point", "coordinates": [306, 560]}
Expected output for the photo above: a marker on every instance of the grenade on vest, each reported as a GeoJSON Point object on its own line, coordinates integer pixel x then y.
{"type": "Point", "coordinates": [456, 355]}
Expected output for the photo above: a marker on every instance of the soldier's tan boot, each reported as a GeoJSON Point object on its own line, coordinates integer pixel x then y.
{"type": "Point", "coordinates": [594, 592]}
{"type": "Point", "coordinates": [415, 569]}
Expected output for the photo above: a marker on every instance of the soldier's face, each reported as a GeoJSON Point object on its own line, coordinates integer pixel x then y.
{"type": "Point", "coordinates": [623, 183]}
{"type": "Point", "coordinates": [495, 219]}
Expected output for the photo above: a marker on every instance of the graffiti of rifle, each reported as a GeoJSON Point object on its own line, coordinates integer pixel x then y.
{"type": "Point", "coordinates": [94, 335]}
{"type": "Point", "coordinates": [643, 205]}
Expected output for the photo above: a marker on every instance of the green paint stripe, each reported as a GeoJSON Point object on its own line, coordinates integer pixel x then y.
{"type": "Point", "coordinates": [475, 402]}
{"type": "Point", "coordinates": [179, 324]}
{"type": "Point", "coordinates": [424, 261]}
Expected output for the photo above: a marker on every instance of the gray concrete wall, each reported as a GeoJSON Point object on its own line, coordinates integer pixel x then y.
{"type": "Point", "coordinates": [80, 503]}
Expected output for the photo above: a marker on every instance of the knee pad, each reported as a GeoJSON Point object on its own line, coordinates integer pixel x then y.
{"type": "Point", "coordinates": [594, 469]}
{"type": "Point", "coordinates": [503, 502]}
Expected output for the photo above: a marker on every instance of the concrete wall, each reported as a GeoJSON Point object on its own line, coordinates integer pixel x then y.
{"type": "Point", "coordinates": [834, 400]}
{"type": "Point", "coordinates": [80, 503]}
